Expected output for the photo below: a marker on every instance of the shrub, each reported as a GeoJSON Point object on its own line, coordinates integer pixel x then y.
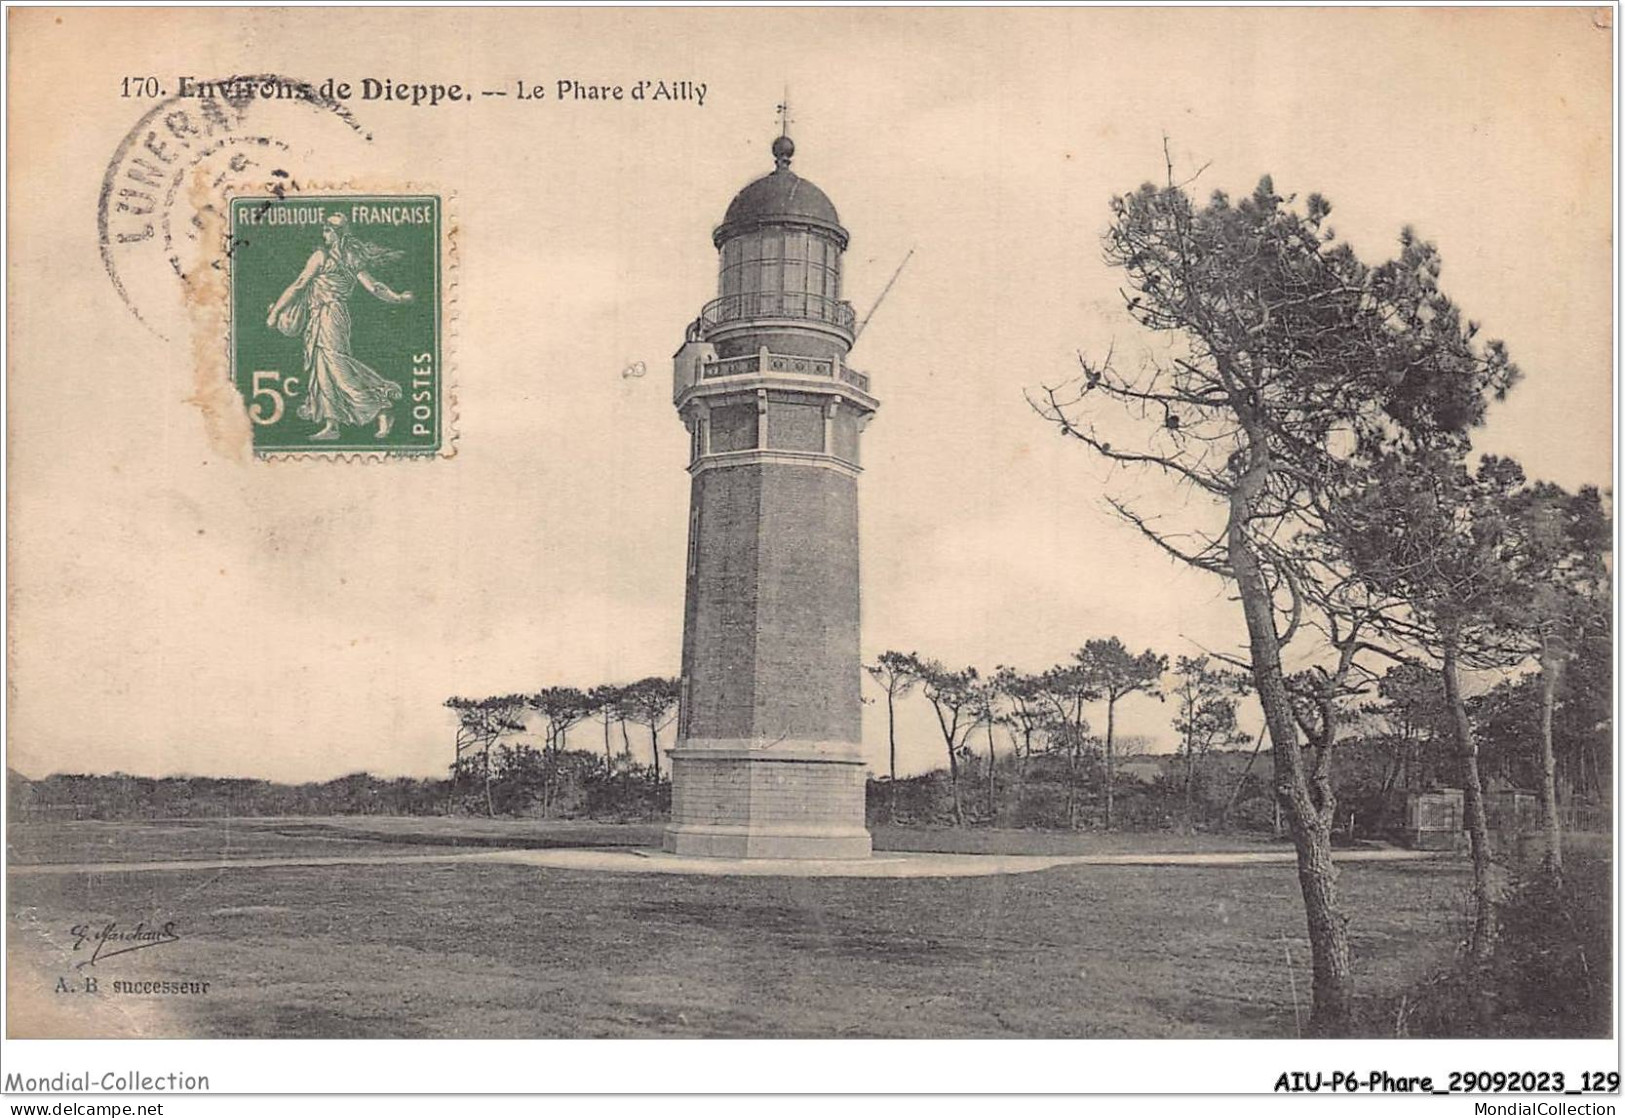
{"type": "Point", "coordinates": [1551, 971]}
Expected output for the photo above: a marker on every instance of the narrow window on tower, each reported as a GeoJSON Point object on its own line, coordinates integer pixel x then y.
{"type": "Point", "coordinates": [693, 538]}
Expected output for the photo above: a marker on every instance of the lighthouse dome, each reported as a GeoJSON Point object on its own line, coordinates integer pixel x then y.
{"type": "Point", "coordinates": [781, 198]}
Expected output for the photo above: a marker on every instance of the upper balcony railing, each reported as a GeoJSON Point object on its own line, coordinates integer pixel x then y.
{"type": "Point", "coordinates": [793, 364]}
{"type": "Point", "coordinates": [777, 304]}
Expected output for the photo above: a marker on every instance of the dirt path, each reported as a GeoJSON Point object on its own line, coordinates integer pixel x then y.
{"type": "Point", "coordinates": [888, 864]}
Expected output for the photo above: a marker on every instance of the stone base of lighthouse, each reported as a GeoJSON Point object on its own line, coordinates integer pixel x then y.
{"type": "Point", "coordinates": [741, 798]}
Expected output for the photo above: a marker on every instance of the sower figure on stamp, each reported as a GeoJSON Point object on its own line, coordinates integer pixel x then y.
{"type": "Point", "coordinates": [341, 389]}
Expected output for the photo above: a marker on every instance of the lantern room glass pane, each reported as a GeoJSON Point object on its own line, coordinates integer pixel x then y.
{"type": "Point", "coordinates": [781, 271]}
{"type": "Point", "coordinates": [795, 274]}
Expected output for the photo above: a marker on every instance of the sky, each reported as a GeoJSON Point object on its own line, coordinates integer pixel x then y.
{"type": "Point", "coordinates": [178, 608]}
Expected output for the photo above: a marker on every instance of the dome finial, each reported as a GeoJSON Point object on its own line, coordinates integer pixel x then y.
{"type": "Point", "coordinates": [783, 146]}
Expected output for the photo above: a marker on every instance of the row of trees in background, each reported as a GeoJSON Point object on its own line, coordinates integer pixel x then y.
{"type": "Point", "coordinates": [495, 764]}
{"type": "Point", "coordinates": [1311, 417]}
{"type": "Point", "coordinates": [1025, 752]}
{"type": "Point", "coordinates": [1043, 717]}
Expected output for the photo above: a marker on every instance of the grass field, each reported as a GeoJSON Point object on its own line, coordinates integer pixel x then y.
{"type": "Point", "coordinates": [493, 950]}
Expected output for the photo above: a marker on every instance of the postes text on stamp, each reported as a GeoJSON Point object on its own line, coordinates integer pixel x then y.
{"type": "Point", "coordinates": [336, 332]}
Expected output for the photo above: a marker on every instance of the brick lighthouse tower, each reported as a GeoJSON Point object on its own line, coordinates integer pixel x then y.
{"type": "Point", "coordinates": [767, 762]}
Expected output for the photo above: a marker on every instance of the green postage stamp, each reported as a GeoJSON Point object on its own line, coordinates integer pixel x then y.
{"type": "Point", "coordinates": [336, 332]}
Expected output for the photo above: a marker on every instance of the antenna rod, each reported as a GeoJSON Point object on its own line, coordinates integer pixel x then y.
{"type": "Point", "coordinates": [856, 333]}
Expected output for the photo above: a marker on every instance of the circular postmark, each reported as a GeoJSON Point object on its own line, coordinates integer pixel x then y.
{"type": "Point", "coordinates": [209, 133]}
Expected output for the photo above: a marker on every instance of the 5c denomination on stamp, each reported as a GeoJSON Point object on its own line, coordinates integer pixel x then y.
{"type": "Point", "coordinates": [336, 323]}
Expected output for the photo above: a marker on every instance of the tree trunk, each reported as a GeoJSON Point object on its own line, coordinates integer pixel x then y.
{"type": "Point", "coordinates": [654, 744]}
{"type": "Point", "coordinates": [547, 776]}
{"type": "Point", "coordinates": [953, 780]}
{"type": "Point", "coordinates": [626, 751]}
{"type": "Point", "coordinates": [490, 807]}
{"type": "Point", "coordinates": [993, 795]}
{"type": "Point", "coordinates": [949, 733]}
{"type": "Point", "coordinates": [891, 740]}
{"type": "Point", "coordinates": [1190, 771]}
{"type": "Point", "coordinates": [1390, 781]}
{"type": "Point", "coordinates": [456, 774]}
{"type": "Point", "coordinates": [1235, 794]}
{"type": "Point", "coordinates": [1333, 984]}
{"type": "Point", "coordinates": [555, 777]}
{"type": "Point", "coordinates": [609, 758]}
{"type": "Point", "coordinates": [1072, 782]}
{"type": "Point", "coordinates": [1111, 708]}
{"type": "Point", "coordinates": [1550, 670]}
{"type": "Point", "coordinates": [1190, 789]}
{"type": "Point", "coordinates": [1478, 830]}
{"type": "Point", "coordinates": [1022, 753]}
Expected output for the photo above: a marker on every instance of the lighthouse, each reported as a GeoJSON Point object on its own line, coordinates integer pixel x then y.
{"type": "Point", "coordinates": [768, 761]}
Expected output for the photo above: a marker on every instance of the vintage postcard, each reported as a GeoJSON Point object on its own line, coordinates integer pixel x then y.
{"type": "Point", "coordinates": [820, 524]}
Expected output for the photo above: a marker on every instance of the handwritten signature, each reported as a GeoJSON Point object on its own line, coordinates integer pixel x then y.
{"type": "Point", "coordinates": [113, 939]}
